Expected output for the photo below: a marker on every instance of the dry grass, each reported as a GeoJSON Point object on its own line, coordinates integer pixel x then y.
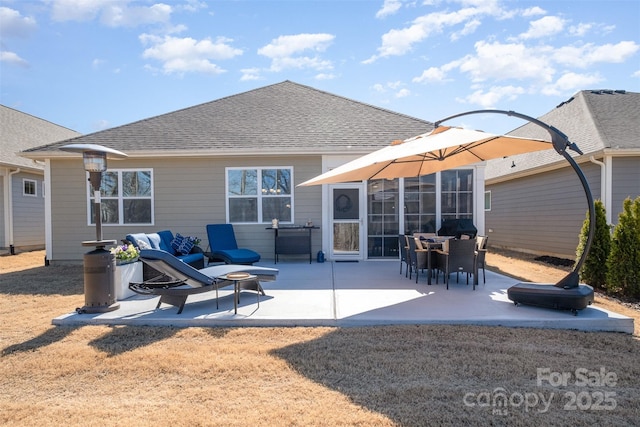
{"type": "Point", "coordinates": [375, 376]}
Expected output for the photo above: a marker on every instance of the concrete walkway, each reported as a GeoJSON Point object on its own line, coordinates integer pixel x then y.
{"type": "Point", "coordinates": [354, 294]}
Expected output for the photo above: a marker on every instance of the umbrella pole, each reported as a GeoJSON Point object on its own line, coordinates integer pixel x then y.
{"type": "Point", "coordinates": [560, 144]}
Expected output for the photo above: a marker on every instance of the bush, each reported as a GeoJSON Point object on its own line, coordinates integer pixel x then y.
{"type": "Point", "coordinates": [623, 264]}
{"type": "Point", "coordinates": [594, 269]}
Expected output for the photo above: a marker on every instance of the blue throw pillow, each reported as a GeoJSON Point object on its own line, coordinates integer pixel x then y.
{"type": "Point", "coordinates": [182, 245]}
{"type": "Point", "coordinates": [186, 246]}
{"type": "Point", "coordinates": [176, 242]}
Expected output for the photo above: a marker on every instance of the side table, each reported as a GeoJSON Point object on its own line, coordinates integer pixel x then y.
{"type": "Point", "coordinates": [237, 278]}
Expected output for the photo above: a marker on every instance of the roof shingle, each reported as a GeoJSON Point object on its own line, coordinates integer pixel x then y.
{"type": "Point", "coordinates": [282, 118]}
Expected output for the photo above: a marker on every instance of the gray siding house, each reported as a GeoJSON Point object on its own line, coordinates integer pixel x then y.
{"type": "Point", "coordinates": [238, 160]}
{"type": "Point", "coordinates": [22, 184]}
{"type": "Point", "coordinates": [535, 201]}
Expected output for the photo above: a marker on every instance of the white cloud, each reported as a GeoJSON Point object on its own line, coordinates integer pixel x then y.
{"type": "Point", "coordinates": [325, 76]}
{"type": "Point", "coordinates": [570, 82]}
{"type": "Point", "coordinates": [636, 74]}
{"type": "Point", "coordinates": [284, 51]}
{"type": "Point", "coordinates": [469, 28]}
{"type": "Point", "coordinates": [403, 93]}
{"type": "Point", "coordinates": [112, 13]}
{"type": "Point", "coordinates": [432, 74]}
{"type": "Point", "coordinates": [134, 16]}
{"type": "Point", "coordinates": [97, 63]}
{"type": "Point", "coordinates": [13, 24]}
{"type": "Point", "coordinates": [250, 74]}
{"type": "Point", "coordinates": [180, 55]}
{"type": "Point", "coordinates": [13, 58]}
{"type": "Point", "coordinates": [580, 30]}
{"type": "Point", "coordinates": [586, 55]}
{"type": "Point", "coordinates": [544, 27]}
{"type": "Point", "coordinates": [532, 11]}
{"type": "Point", "coordinates": [397, 42]}
{"type": "Point", "coordinates": [492, 97]}
{"type": "Point", "coordinates": [389, 7]}
{"type": "Point", "coordinates": [503, 61]}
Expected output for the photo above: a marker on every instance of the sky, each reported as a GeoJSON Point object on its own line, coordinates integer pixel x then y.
{"type": "Point", "coordinates": [89, 65]}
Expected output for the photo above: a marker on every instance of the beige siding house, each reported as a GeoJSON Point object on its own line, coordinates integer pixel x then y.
{"type": "Point", "coordinates": [535, 201]}
{"type": "Point", "coordinates": [238, 160]}
{"type": "Point", "coordinates": [22, 183]}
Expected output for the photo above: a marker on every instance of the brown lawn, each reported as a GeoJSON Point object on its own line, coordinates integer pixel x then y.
{"type": "Point", "coordinates": [372, 376]}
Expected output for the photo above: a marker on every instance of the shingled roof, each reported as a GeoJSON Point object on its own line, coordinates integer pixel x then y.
{"type": "Point", "coordinates": [21, 131]}
{"type": "Point", "coordinates": [284, 118]}
{"type": "Point", "coordinates": [596, 120]}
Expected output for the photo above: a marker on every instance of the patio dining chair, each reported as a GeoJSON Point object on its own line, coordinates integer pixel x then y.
{"type": "Point", "coordinates": [417, 257]}
{"type": "Point", "coordinates": [481, 252]}
{"type": "Point", "coordinates": [403, 247]}
{"type": "Point", "coordinates": [459, 256]}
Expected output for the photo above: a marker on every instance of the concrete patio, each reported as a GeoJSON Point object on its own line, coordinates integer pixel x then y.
{"type": "Point", "coordinates": [354, 294]}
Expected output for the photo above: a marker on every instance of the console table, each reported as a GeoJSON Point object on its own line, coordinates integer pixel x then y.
{"type": "Point", "coordinates": [292, 240]}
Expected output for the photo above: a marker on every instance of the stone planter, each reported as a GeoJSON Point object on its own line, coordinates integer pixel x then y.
{"type": "Point", "coordinates": [125, 273]}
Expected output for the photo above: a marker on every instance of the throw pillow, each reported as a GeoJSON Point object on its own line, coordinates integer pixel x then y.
{"type": "Point", "coordinates": [143, 245]}
{"type": "Point", "coordinates": [176, 242]}
{"type": "Point", "coordinates": [186, 246]}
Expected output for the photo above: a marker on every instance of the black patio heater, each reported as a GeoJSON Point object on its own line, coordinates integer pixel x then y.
{"type": "Point", "coordinates": [99, 264]}
{"type": "Point", "coordinates": [568, 293]}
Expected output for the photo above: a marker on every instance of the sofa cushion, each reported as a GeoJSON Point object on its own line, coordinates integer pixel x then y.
{"type": "Point", "coordinates": [155, 240]}
{"type": "Point", "coordinates": [135, 238]}
{"type": "Point", "coordinates": [236, 256]}
{"type": "Point", "coordinates": [166, 237]}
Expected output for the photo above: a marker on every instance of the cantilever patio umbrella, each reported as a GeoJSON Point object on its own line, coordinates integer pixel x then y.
{"type": "Point", "coordinates": [441, 149]}
{"type": "Point", "coordinates": [448, 147]}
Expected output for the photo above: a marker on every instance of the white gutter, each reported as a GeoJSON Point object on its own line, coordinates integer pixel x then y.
{"type": "Point", "coordinates": [9, 199]}
{"type": "Point", "coordinates": [605, 195]}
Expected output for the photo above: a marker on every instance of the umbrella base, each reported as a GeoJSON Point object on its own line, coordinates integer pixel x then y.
{"type": "Point", "coordinates": [550, 296]}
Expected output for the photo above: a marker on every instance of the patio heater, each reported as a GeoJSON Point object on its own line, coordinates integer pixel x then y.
{"type": "Point", "coordinates": [99, 264]}
{"type": "Point", "coordinates": [568, 293]}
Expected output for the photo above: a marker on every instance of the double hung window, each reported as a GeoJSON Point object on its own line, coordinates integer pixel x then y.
{"type": "Point", "coordinates": [126, 197]}
{"type": "Point", "coordinates": [259, 194]}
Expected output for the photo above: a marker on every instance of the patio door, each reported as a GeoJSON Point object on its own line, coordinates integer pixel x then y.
{"type": "Point", "coordinates": [347, 212]}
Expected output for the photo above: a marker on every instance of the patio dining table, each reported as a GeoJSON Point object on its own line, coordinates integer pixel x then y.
{"type": "Point", "coordinates": [427, 246]}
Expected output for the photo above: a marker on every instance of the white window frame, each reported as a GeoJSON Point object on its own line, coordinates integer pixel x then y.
{"type": "Point", "coordinates": [35, 187]}
{"type": "Point", "coordinates": [121, 199]}
{"type": "Point", "coordinates": [487, 194]}
{"type": "Point", "coordinates": [258, 196]}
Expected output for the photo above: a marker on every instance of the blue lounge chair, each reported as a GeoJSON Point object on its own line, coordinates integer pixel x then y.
{"type": "Point", "coordinates": [178, 280]}
{"type": "Point", "coordinates": [223, 246]}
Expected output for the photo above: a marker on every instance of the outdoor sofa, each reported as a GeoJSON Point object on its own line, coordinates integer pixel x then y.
{"type": "Point", "coordinates": [178, 246]}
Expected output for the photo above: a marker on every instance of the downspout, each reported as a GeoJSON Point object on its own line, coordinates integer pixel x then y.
{"type": "Point", "coordinates": [12, 249]}
{"type": "Point", "coordinates": [604, 196]}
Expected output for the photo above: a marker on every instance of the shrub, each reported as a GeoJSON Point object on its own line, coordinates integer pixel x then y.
{"type": "Point", "coordinates": [594, 269]}
{"type": "Point", "coordinates": [623, 264]}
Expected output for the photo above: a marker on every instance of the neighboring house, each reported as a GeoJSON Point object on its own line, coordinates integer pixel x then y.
{"type": "Point", "coordinates": [22, 184]}
{"type": "Point", "coordinates": [536, 203]}
{"type": "Point", "coordinates": [238, 160]}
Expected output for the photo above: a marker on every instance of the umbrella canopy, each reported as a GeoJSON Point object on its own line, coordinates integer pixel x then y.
{"type": "Point", "coordinates": [442, 148]}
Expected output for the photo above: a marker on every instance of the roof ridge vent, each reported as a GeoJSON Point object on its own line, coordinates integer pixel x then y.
{"type": "Point", "coordinates": [565, 102]}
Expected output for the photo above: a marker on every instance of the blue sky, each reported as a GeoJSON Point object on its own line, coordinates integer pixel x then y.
{"type": "Point", "coordinates": [94, 64]}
